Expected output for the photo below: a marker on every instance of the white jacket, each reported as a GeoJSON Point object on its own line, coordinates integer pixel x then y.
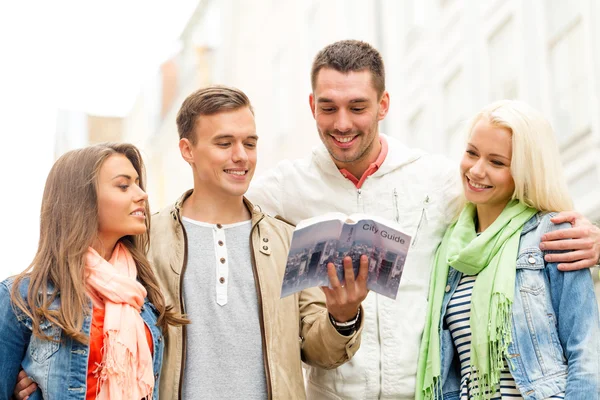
{"type": "Point", "coordinates": [418, 190]}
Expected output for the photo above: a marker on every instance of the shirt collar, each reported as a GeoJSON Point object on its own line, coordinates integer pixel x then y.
{"type": "Point", "coordinates": [373, 167]}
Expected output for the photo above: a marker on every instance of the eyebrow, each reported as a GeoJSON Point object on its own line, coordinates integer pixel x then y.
{"type": "Point", "coordinates": [230, 136]}
{"type": "Point", "coordinates": [491, 154]}
{"type": "Point", "coordinates": [326, 100]}
{"type": "Point", "coordinates": [128, 177]}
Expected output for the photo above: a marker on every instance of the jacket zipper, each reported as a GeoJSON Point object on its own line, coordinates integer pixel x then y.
{"type": "Point", "coordinates": [184, 331]}
{"type": "Point", "coordinates": [396, 212]}
{"type": "Point", "coordinates": [423, 218]}
{"type": "Point", "coordinates": [262, 317]}
{"type": "Point", "coordinates": [359, 201]}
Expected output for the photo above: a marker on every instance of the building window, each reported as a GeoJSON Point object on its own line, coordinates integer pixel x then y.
{"type": "Point", "coordinates": [281, 93]}
{"type": "Point", "coordinates": [568, 63]}
{"type": "Point", "coordinates": [416, 129]}
{"type": "Point", "coordinates": [454, 114]}
{"type": "Point", "coordinates": [414, 21]}
{"type": "Point", "coordinates": [503, 63]}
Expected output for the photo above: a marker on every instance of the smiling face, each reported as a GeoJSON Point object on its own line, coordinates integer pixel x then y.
{"type": "Point", "coordinates": [223, 157]}
{"type": "Point", "coordinates": [121, 202]}
{"type": "Point", "coordinates": [485, 167]}
{"type": "Point", "coordinates": [347, 111]}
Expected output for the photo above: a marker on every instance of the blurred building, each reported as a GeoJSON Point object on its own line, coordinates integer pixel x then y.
{"type": "Point", "coordinates": [75, 129]}
{"type": "Point", "coordinates": [445, 59]}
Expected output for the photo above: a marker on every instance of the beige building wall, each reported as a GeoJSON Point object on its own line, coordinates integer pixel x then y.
{"type": "Point", "coordinates": [104, 129]}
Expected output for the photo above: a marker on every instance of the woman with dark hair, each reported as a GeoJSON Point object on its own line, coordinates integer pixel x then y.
{"type": "Point", "coordinates": [85, 320]}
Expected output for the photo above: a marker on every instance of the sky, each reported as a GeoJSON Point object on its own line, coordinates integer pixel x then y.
{"type": "Point", "coordinates": [90, 56]}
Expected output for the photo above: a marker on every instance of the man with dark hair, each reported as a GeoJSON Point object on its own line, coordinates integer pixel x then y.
{"type": "Point", "coordinates": [220, 261]}
{"type": "Point", "coordinates": [357, 169]}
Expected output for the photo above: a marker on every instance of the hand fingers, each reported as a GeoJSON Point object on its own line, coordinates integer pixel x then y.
{"type": "Point", "coordinates": [572, 244]}
{"type": "Point", "coordinates": [576, 255]}
{"type": "Point", "coordinates": [23, 382]}
{"type": "Point", "coordinates": [24, 387]}
{"type": "Point", "coordinates": [24, 394]}
{"type": "Point", "coordinates": [334, 282]}
{"type": "Point", "coordinates": [569, 233]}
{"type": "Point", "coordinates": [576, 265]}
{"type": "Point", "coordinates": [565, 216]}
{"type": "Point", "coordinates": [349, 275]}
{"type": "Point", "coordinates": [363, 271]}
{"type": "Point", "coordinates": [329, 293]}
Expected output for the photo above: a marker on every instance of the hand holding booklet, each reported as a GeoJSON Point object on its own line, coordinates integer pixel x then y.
{"type": "Point", "coordinates": [329, 238]}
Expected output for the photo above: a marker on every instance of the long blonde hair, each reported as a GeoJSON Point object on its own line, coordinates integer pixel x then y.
{"type": "Point", "coordinates": [68, 226]}
{"type": "Point", "coordinates": [535, 165]}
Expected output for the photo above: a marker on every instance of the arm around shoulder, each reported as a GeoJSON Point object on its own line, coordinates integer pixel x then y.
{"type": "Point", "coordinates": [322, 345]}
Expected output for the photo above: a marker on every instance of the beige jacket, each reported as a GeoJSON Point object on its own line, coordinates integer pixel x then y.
{"type": "Point", "coordinates": [294, 327]}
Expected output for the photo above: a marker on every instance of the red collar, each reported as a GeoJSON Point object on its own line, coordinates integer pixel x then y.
{"type": "Point", "coordinates": [372, 168]}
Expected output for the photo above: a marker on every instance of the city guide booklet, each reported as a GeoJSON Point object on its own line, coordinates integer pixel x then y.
{"type": "Point", "coordinates": [329, 238]}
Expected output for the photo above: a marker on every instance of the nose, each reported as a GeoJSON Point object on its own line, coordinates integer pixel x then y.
{"type": "Point", "coordinates": [239, 153]}
{"type": "Point", "coordinates": [140, 195]}
{"type": "Point", "coordinates": [342, 122]}
{"type": "Point", "coordinates": [478, 169]}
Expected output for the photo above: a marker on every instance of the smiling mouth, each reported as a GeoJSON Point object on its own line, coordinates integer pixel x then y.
{"type": "Point", "coordinates": [138, 214]}
{"type": "Point", "coordinates": [344, 139]}
{"type": "Point", "coordinates": [478, 185]}
{"type": "Point", "coordinates": [236, 172]}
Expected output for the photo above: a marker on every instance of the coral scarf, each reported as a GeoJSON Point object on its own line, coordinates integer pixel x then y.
{"type": "Point", "coordinates": [126, 368]}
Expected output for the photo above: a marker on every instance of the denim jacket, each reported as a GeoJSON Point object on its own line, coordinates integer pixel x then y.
{"type": "Point", "coordinates": [555, 328]}
{"type": "Point", "coordinates": [59, 368]}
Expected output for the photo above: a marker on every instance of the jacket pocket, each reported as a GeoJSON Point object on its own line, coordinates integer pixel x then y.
{"type": "Point", "coordinates": [530, 272]}
{"type": "Point", "coordinates": [41, 350]}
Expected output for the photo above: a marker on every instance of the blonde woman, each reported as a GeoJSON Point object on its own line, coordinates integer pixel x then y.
{"type": "Point", "coordinates": [85, 320]}
{"type": "Point", "coordinates": [503, 322]}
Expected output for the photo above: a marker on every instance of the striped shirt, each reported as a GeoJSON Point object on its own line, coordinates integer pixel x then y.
{"type": "Point", "coordinates": [457, 319]}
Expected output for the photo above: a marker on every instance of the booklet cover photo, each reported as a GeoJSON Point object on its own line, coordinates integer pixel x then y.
{"type": "Point", "coordinates": [326, 239]}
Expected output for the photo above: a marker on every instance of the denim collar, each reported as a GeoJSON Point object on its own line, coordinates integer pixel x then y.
{"type": "Point", "coordinates": [531, 224]}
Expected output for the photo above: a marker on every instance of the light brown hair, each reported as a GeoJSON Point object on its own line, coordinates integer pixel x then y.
{"type": "Point", "coordinates": [208, 101]}
{"type": "Point", "coordinates": [68, 226]}
{"type": "Point", "coordinates": [350, 56]}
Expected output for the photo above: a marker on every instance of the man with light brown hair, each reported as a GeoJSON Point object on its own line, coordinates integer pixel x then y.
{"type": "Point", "coordinates": [220, 261]}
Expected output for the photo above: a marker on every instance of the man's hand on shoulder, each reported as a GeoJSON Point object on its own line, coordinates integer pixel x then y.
{"type": "Point", "coordinates": [581, 241]}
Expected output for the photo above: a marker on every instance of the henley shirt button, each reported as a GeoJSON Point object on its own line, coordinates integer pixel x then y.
{"type": "Point", "coordinates": [219, 226]}
{"type": "Point", "coordinates": [220, 243]}
{"type": "Point", "coordinates": [222, 280]}
{"type": "Point", "coordinates": [448, 288]}
{"type": "Point", "coordinates": [222, 260]}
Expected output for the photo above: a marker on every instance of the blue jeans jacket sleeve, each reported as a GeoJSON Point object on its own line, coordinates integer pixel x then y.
{"type": "Point", "coordinates": [14, 339]}
{"type": "Point", "coordinates": [574, 302]}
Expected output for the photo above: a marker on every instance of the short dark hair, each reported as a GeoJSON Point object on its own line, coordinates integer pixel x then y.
{"type": "Point", "coordinates": [208, 101]}
{"type": "Point", "coordinates": [350, 56]}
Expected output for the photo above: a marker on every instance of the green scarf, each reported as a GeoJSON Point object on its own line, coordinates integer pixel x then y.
{"type": "Point", "coordinates": [492, 257]}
